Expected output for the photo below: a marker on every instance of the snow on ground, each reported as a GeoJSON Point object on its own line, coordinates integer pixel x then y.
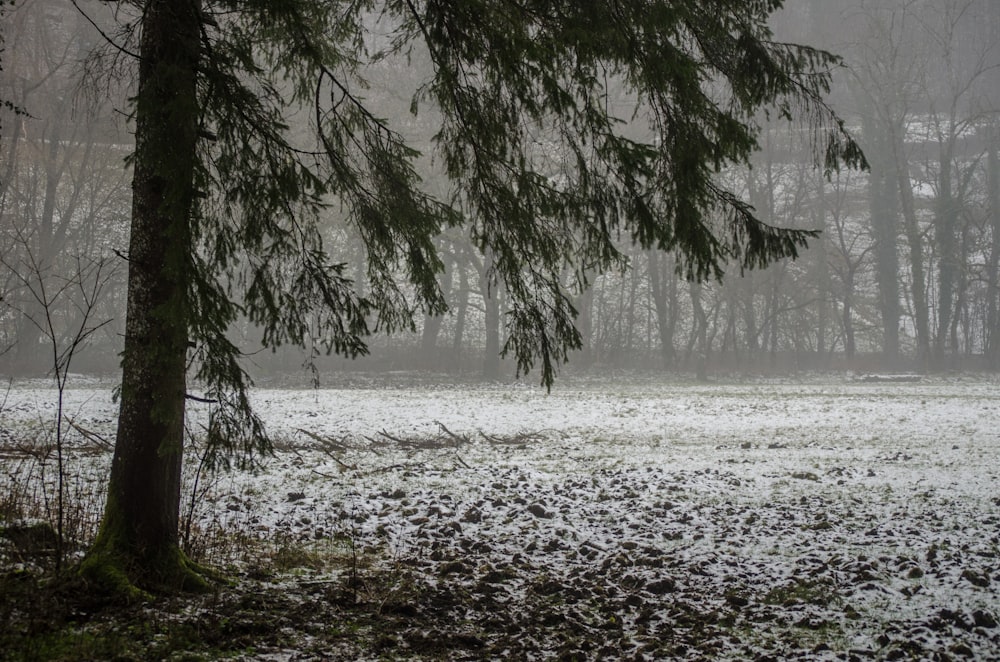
{"type": "Point", "coordinates": [828, 518]}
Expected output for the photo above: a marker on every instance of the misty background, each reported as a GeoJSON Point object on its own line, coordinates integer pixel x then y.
{"type": "Point", "coordinates": [905, 276]}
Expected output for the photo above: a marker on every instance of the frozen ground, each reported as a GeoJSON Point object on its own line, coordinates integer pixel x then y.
{"type": "Point", "coordinates": [826, 519]}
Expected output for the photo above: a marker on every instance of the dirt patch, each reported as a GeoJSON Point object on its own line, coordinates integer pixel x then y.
{"type": "Point", "coordinates": [770, 522]}
{"type": "Point", "coordinates": [618, 571]}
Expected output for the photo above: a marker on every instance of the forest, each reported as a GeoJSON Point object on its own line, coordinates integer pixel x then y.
{"type": "Point", "coordinates": [499, 329]}
{"type": "Point", "coordinates": [904, 275]}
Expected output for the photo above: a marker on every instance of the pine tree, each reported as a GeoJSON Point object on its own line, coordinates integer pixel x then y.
{"type": "Point", "coordinates": [546, 174]}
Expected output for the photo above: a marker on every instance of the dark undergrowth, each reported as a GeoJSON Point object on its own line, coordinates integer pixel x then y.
{"type": "Point", "coordinates": [448, 607]}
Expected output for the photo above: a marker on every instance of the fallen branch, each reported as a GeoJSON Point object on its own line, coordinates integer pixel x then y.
{"type": "Point", "coordinates": [392, 438]}
{"type": "Point", "coordinates": [514, 439]}
{"type": "Point", "coordinates": [90, 435]}
{"type": "Point", "coordinates": [373, 443]}
{"type": "Point", "coordinates": [891, 378]}
{"type": "Point", "coordinates": [447, 439]}
{"type": "Point", "coordinates": [330, 447]}
{"type": "Point", "coordinates": [458, 439]}
{"type": "Point", "coordinates": [391, 467]}
{"type": "Point", "coordinates": [323, 475]}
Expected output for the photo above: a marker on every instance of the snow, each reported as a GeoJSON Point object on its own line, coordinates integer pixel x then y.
{"type": "Point", "coordinates": [824, 515]}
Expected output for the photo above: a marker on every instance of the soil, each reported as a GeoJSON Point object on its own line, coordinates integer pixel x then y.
{"type": "Point", "coordinates": [873, 534]}
{"type": "Point", "coordinates": [674, 584]}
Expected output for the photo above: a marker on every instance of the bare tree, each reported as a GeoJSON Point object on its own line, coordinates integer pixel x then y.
{"type": "Point", "coordinates": [63, 193]}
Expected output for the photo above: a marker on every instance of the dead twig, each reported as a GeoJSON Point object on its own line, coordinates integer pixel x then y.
{"type": "Point", "coordinates": [373, 443]}
{"type": "Point", "coordinates": [90, 435]}
{"type": "Point", "coordinates": [513, 439]}
{"type": "Point", "coordinates": [446, 440]}
{"type": "Point", "coordinates": [398, 440]}
{"type": "Point", "coordinates": [330, 447]}
{"type": "Point", "coordinates": [457, 439]}
{"type": "Point", "coordinates": [392, 467]}
{"type": "Point", "coordinates": [325, 475]}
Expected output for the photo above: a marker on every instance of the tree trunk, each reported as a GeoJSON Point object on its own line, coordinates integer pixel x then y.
{"type": "Point", "coordinates": [584, 303]}
{"type": "Point", "coordinates": [491, 305]}
{"type": "Point", "coordinates": [663, 287]}
{"type": "Point", "coordinates": [699, 332]}
{"type": "Point", "coordinates": [461, 309]}
{"type": "Point", "coordinates": [629, 316]}
{"type": "Point", "coordinates": [773, 319]}
{"type": "Point", "coordinates": [946, 238]}
{"type": "Point", "coordinates": [429, 356]}
{"type": "Point", "coordinates": [43, 243]}
{"type": "Point", "coordinates": [823, 294]}
{"type": "Point", "coordinates": [848, 316]}
{"type": "Point", "coordinates": [748, 295]}
{"type": "Point", "coordinates": [915, 240]}
{"type": "Point", "coordinates": [961, 316]}
{"type": "Point", "coordinates": [137, 545]}
{"type": "Point", "coordinates": [883, 207]}
{"type": "Point", "coordinates": [993, 266]}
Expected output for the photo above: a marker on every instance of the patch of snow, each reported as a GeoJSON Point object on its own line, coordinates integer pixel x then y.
{"type": "Point", "coordinates": [831, 514]}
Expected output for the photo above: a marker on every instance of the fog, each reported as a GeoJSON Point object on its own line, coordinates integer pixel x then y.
{"type": "Point", "coordinates": [904, 277]}
{"type": "Point", "coordinates": [782, 463]}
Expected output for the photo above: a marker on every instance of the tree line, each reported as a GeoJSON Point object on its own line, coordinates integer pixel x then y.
{"type": "Point", "coordinates": [559, 134]}
{"type": "Point", "coordinates": [905, 271]}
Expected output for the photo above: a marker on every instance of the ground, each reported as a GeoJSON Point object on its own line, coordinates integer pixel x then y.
{"type": "Point", "coordinates": [829, 517]}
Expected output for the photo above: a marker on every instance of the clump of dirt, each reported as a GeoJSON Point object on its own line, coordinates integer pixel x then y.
{"type": "Point", "coordinates": [625, 564]}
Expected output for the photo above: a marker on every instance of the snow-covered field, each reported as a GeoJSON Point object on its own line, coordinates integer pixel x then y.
{"type": "Point", "coordinates": [829, 518]}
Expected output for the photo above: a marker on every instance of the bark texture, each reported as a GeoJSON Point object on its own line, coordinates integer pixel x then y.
{"type": "Point", "coordinates": [137, 545]}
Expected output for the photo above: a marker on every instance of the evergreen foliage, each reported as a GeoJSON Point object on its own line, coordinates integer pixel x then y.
{"type": "Point", "coordinates": [546, 170]}
{"type": "Point", "coordinates": [6, 104]}
{"type": "Point", "coordinates": [561, 127]}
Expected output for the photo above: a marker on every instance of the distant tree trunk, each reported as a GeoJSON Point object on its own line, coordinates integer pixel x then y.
{"type": "Point", "coordinates": [883, 208]}
{"type": "Point", "coordinates": [762, 198]}
{"type": "Point", "coordinates": [967, 248]}
{"type": "Point", "coordinates": [673, 303]}
{"type": "Point", "coordinates": [752, 332]}
{"type": "Point", "coordinates": [461, 312]}
{"type": "Point", "coordinates": [491, 351]}
{"type": "Point", "coordinates": [139, 531]}
{"type": "Point", "coordinates": [620, 323]}
{"type": "Point", "coordinates": [993, 265]}
{"type": "Point", "coordinates": [914, 238]}
{"type": "Point", "coordinates": [663, 289]}
{"type": "Point", "coordinates": [699, 332]}
{"type": "Point", "coordinates": [961, 314]}
{"type": "Point", "coordinates": [848, 314]}
{"type": "Point", "coordinates": [585, 323]}
{"type": "Point", "coordinates": [361, 266]}
{"type": "Point", "coordinates": [629, 315]}
{"type": "Point", "coordinates": [429, 356]}
{"type": "Point", "coordinates": [45, 240]}
{"type": "Point", "coordinates": [822, 274]}
{"type": "Point", "coordinates": [598, 320]}
{"type": "Point", "coordinates": [946, 238]}
{"type": "Point", "coordinates": [491, 304]}
{"type": "Point", "coordinates": [772, 327]}
{"type": "Point", "coordinates": [729, 335]}
{"type": "Point", "coordinates": [12, 155]}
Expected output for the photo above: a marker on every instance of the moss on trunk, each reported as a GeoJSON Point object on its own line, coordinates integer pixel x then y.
{"type": "Point", "coordinates": [137, 547]}
{"type": "Point", "coordinates": [116, 571]}
{"type": "Point", "coordinates": [119, 564]}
